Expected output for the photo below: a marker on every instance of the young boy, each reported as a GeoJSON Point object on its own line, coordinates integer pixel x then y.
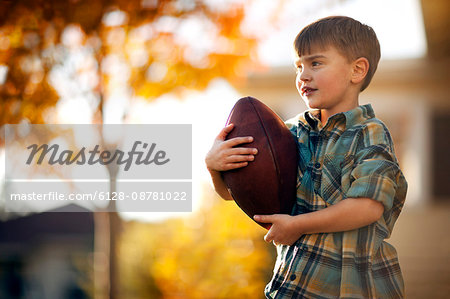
{"type": "Point", "coordinates": [350, 188]}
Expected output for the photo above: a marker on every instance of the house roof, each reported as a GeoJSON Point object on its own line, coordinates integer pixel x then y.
{"type": "Point", "coordinates": [52, 223]}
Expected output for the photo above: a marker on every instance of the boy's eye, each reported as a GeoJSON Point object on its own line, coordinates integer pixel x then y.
{"type": "Point", "coordinates": [315, 63]}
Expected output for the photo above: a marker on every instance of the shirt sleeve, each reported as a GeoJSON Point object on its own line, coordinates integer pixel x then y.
{"type": "Point", "coordinates": [376, 173]}
{"type": "Point", "coordinates": [292, 124]}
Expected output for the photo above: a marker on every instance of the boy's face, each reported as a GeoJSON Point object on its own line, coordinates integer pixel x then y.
{"type": "Point", "coordinates": [324, 80]}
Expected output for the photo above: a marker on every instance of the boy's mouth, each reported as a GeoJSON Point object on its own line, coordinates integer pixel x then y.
{"type": "Point", "coordinates": [306, 91]}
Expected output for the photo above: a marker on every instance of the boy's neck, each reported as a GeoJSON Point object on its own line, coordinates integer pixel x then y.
{"type": "Point", "coordinates": [325, 114]}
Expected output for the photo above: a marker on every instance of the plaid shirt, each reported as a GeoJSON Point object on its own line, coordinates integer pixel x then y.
{"type": "Point", "coordinates": [351, 156]}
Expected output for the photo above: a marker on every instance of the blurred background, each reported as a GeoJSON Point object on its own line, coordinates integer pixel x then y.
{"type": "Point", "coordinates": [182, 61]}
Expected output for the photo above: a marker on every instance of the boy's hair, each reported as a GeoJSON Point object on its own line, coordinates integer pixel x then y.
{"type": "Point", "coordinates": [351, 38]}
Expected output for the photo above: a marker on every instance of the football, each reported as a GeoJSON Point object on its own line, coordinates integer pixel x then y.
{"type": "Point", "coordinates": [267, 185]}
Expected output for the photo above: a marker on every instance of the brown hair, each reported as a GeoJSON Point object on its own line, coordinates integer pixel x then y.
{"type": "Point", "coordinates": [351, 38]}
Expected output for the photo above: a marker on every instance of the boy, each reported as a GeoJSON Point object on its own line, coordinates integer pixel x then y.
{"type": "Point", "coordinates": [350, 188]}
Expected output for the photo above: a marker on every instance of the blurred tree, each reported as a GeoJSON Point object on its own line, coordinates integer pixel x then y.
{"type": "Point", "coordinates": [151, 46]}
{"type": "Point", "coordinates": [91, 52]}
{"type": "Point", "coordinates": [217, 252]}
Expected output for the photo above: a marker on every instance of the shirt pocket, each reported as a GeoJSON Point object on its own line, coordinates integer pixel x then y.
{"type": "Point", "coordinates": [336, 176]}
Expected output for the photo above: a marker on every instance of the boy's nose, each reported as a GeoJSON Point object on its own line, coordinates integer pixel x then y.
{"type": "Point", "coordinates": [302, 79]}
{"type": "Point", "coordinates": [304, 76]}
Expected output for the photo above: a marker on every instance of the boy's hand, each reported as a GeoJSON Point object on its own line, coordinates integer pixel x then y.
{"type": "Point", "coordinates": [283, 231]}
{"type": "Point", "coordinates": [223, 155]}
{"type": "Point", "coordinates": [348, 214]}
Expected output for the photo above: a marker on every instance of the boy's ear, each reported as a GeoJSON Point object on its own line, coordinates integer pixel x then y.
{"type": "Point", "coordinates": [359, 70]}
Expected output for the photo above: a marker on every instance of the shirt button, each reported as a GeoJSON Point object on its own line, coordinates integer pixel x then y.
{"type": "Point", "coordinates": [293, 277]}
{"type": "Point", "coordinates": [317, 165]}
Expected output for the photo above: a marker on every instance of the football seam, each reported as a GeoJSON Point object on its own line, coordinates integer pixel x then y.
{"type": "Point", "coordinates": [277, 167]}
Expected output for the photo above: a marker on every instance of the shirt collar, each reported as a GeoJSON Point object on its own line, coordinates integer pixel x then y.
{"type": "Point", "coordinates": [312, 118]}
{"type": "Point", "coordinates": [352, 117]}
{"type": "Point", "coordinates": [358, 115]}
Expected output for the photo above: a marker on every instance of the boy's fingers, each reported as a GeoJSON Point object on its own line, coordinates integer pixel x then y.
{"type": "Point", "coordinates": [224, 132]}
{"type": "Point", "coordinates": [239, 140]}
{"type": "Point", "coordinates": [268, 237]}
{"type": "Point", "coordinates": [240, 158]}
{"type": "Point", "coordinates": [231, 166]}
{"type": "Point", "coordinates": [264, 218]}
{"type": "Point", "coordinates": [243, 151]}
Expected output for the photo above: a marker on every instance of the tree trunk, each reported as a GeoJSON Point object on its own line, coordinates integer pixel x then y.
{"type": "Point", "coordinates": [107, 233]}
{"type": "Point", "coordinates": [114, 233]}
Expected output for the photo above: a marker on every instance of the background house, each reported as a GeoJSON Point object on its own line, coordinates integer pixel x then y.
{"type": "Point", "coordinates": [46, 255]}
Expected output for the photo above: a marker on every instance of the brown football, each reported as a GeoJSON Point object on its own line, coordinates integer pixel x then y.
{"type": "Point", "coordinates": [267, 185]}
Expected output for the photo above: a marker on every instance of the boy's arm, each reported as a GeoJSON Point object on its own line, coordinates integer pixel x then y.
{"type": "Point", "coordinates": [219, 185]}
{"type": "Point", "coordinates": [378, 189]}
{"type": "Point", "coordinates": [224, 155]}
{"type": "Point", "coordinates": [349, 214]}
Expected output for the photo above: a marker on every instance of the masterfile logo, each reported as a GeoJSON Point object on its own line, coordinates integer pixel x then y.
{"type": "Point", "coordinates": [142, 167]}
{"type": "Point", "coordinates": [83, 151]}
{"type": "Point", "coordinates": [91, 157]}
